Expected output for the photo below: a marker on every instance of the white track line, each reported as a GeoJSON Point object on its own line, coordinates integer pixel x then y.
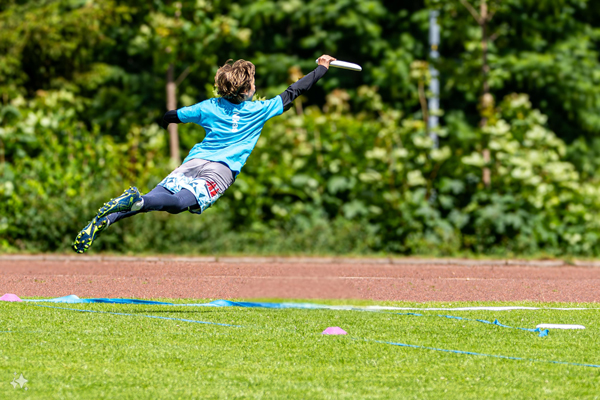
{"type": "Point", "coordinates": [411, 279]}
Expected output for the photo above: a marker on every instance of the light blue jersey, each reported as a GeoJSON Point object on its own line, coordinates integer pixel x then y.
{"type": "Point", "coordinates": [232, 130]}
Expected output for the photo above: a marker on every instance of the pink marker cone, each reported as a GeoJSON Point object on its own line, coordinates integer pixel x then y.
{"type": "Point", "coordinates": [334, 330]}
{"type": "Point", "coordinates": [10, 297]}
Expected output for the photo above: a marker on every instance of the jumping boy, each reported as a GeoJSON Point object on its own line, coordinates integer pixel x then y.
{"type": "Point", "coordinates": [233, 124]}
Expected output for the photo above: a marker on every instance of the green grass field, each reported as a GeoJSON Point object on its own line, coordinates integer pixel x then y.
{"type": "Point", "coordinates": [281, 354]}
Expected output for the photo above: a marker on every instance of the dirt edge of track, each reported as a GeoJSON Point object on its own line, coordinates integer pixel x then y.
{"type": "Point", "coordinates": [298, 280]}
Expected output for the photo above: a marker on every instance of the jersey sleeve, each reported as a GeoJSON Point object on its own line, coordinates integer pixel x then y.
{"type": "Point", "coordinates": [272, 107]}
{"type": "Point", "coordinates": [303, 85]}
{"type": "Point", "coordinates": [190, 114]}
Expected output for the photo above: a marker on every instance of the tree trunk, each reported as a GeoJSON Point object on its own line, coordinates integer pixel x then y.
{"type": "Point", "coordinates": [423, 101]}
{"type": "Point", "coordinates": [483, 13]}
{"type": "Point", "coordinates": [172, 105]}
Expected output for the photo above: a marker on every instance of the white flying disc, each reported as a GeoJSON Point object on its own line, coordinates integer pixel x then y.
{"type": "Point", "coordinates": [560, 326]}
{"type": "Point", "coordinates": [344, 65]}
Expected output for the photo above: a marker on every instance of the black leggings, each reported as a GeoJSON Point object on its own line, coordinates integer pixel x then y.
{"type": "Point", "coordinates": [161, 199]}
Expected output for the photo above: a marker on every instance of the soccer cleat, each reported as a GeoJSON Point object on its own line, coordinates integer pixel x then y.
{"type": "Point", "coordinates": [86, 237]}
{"type": "Point", "coordinates": [124, 202]}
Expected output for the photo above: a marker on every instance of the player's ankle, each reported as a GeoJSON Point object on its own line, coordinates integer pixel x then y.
{"type": "Point", "coordinates": [138, 205]}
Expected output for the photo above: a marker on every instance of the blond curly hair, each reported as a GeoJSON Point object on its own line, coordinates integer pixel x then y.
{"type": "Point", "coordinates": [232, 80]}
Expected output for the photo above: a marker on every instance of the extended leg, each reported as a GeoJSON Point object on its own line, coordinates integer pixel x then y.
{"type": "Point", "coordinates": [160, 199]}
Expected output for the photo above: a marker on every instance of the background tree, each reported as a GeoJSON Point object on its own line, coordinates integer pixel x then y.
{"type": "Point", "coordinates": [82, 89]}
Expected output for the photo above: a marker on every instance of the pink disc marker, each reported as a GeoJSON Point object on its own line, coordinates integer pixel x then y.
{"type": "Point", "coordinates": [10, 297]}
{"type": "Point", "coordinates": [334, 330]}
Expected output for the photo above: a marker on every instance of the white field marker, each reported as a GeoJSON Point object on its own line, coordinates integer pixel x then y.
{"type": "Point", "coordinates": [559, 326]}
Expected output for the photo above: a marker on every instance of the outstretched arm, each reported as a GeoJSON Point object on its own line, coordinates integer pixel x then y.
{"type": "Point", "coordinates": [304, 84]}
{"type": "Point", "coordinates": [170, 117]}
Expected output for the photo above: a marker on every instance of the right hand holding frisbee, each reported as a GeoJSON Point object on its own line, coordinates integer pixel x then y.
{"type": "Point", "coordinates": [324, 60]}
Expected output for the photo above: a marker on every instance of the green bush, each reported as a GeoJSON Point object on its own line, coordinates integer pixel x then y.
{"type": "Point", "coordinates": [318, 183]}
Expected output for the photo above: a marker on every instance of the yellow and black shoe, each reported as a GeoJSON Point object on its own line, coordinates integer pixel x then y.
{"type": "Point", "coordinates": [125, 202]}
{"type": "Point", "coordinates": [86, 237]}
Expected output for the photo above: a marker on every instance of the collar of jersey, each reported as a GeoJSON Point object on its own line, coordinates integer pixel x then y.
{"type": "Point", "coordinates": [234, 105]}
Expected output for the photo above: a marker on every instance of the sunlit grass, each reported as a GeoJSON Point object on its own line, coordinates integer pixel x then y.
{"type": "Point", "coordinates": [282, 354]}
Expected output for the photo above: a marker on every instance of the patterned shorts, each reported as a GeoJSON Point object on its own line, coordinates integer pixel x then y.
{"type": "Point", "coordinates": [207, 180]}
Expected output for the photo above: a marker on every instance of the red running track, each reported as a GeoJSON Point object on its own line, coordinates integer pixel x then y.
{"type": "Point", "coordinates": [226, 280]}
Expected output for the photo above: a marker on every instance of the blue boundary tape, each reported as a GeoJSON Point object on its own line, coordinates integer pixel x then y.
{"type": "Point", "coordinates": [375, 341]}
{"type": "Point", "coordinates": [72, 299]}
{"type": "Point", "coordinates": [226, 303]}
{"type": "Point", "coordinates": [542, 333]}
{"type": "Point", "coordinates": [414, 346]}
{"type": "Point", "coordinates": [139, 315]}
